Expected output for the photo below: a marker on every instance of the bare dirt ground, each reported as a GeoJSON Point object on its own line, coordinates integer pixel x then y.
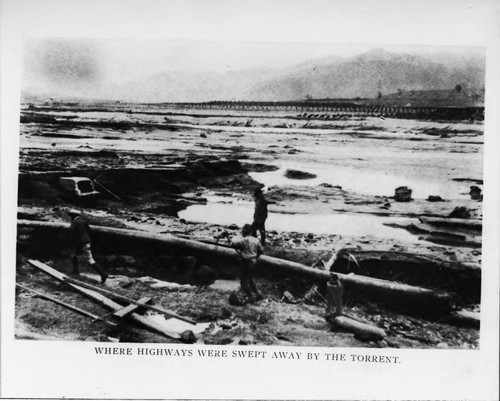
{"type": "Point", "coordinates": [156, 174]}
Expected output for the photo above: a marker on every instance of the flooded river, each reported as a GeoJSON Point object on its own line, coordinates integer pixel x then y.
{"type": "Point", "coordinates": [344, 224]}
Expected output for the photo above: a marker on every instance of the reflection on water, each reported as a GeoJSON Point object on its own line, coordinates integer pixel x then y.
{"type": "Point", "coordinates": [348, 224]}
{"type": "Point", "coordinates": [364, 181]}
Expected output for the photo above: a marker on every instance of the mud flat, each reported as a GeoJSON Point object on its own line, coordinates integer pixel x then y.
{"type": "Point", "coordinates": [193, 177]}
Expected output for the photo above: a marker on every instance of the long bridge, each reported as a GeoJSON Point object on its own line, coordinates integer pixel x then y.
{"type": "Point", "coordinates": [348, 108]}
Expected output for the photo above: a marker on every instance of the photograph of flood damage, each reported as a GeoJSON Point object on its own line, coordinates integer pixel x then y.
{"type": "Point", "coordinates": [296, 194]}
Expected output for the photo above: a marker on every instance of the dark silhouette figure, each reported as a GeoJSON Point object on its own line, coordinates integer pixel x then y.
{"type": "Point", "coordinates": [81, 237]}
{"type": "Point", "coordinates": [259, 216]}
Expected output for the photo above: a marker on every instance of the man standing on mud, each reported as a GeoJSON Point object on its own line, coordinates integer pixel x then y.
{"type": "Point", "coordinates": [249, 249]}
{"type": "Point", "coordinates": [80, 235]}
{"type": "Point", "coordinates": [260, 215]}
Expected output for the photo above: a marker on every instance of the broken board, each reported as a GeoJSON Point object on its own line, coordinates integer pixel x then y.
{"type": "Point", "coordinates": [130, 308]}
{"type": "Point", "coordinates": [142, 320]}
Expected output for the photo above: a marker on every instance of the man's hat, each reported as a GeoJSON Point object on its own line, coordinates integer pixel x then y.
{"type": "Point", "coordinates": [247, 229]}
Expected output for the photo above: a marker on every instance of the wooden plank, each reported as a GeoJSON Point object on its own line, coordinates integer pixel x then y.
{"type": "Point", "coordinates": [130, 308]}
{"type": "Point", "coordinates": [127, 299]}
{"type": "Point", "coordinates": [144, 321]}
{"type": "Point", "coordinates": [66, 305]}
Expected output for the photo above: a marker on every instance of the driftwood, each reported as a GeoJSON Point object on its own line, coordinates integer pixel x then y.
{"type": "Point", "coordinates": [362, 330]}
{"type": "Point", "coordinates": [101, 299]}
{"type": "Point", "coordinates": [360, 284]}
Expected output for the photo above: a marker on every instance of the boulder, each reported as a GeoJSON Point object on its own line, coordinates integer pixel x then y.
{"type": "Point", "coordinates": [460, 212]}
{"type": "Point", "coordinates": [402, 194]}
{"type": "Point", "coordinates": [299, 175]}
{"type": "Point", "coordinates": [475, 193]}
{"type": "Point", "coordinates": [434, 198]}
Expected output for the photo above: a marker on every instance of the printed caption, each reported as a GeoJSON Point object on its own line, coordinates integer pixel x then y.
{"type": "Point", "coordinates": [245, 354]}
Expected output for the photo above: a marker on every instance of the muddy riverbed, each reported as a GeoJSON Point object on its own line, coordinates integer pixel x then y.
{"type": "Point", "coordinates": [193, 176]}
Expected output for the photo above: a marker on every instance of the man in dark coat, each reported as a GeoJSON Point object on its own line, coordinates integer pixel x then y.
{"type": "Point", "coordinates": [81, 238]}
{"type": "Point", "coordinates": [260, 215]}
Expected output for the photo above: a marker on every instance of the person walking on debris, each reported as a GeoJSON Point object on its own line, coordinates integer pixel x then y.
{"type": "Point", "coordinates": [249, 249]}
{"type": "Point", "coordinates": [81, 238]}
{"type": "Point", "coordinates": [260, 215]}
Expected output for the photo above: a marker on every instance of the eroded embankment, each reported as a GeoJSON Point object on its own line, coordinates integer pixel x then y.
{"type": "Point", "coordinates": [154, 189]}
{"type": "Point", "coordinates": [173, 259]}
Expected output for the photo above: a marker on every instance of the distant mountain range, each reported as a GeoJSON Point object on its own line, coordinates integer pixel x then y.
{"type": "Point", "coordinates": [365, 75]}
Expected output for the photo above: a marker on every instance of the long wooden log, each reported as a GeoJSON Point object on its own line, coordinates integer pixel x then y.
{"type": "Point", "coordinates": [144, 321]}
{"type": "Point", "coordinates": [363, 330]}
{"type": "Point", "coordinates": [383, 288]}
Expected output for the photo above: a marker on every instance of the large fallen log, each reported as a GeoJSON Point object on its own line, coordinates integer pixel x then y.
{"type": "Point", "coordinates": [362, 330]}
{"type": "Point", "coordinates": [143, 320]}
{"type": "Point", "coordinates": [403, 294]}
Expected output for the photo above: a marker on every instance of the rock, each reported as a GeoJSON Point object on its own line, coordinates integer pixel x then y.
{"type": "Point", "coordinates": [402, 194]}
{"type": "Point", "coordinates": [299, 175]}
{"type": "Point", "coordinates": [227, 325]}
{"type": "Point", "coordinates": [460, 212]}
{"type": "Point", "coordinates": [237, 299]}
{"type": "Point", "coordinates": [247, 340]}
{"type": "Point", "coordinates": [233, 227]}
{"type": "Point", "coordinates": [475, 193]}
{"type": "Point", "coordinates": [289, 298]}
{"type": "Point", "coordinates": [188, 337]}
{"type": "Point", "coordinates": [434, 198]}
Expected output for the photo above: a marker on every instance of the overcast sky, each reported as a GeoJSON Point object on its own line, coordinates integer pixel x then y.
{"type": "Point", "coordinates": [84, 63]}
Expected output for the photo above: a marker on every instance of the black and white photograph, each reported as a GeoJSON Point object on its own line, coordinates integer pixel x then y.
{"type": "Point", "coordinates": [202, 192]}
{"type": "Point", "coordinates": [182, 198]}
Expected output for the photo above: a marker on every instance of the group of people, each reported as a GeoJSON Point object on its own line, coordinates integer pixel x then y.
{"type": "Point", "coordinates": [248, 246]}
